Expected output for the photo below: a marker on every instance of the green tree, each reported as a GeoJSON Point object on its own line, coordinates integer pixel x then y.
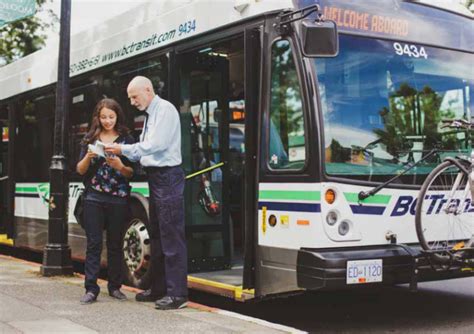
{"type": "Point", "coordinates": [286, 105]}
{"type": "Point", "coordinates": [399, 121]}
{"type": "Point", "coordinates": [22, 37]}
{"type": "Point", "coordinates": [469, 4]}
{"type": "Point", "coordinates": [414, 114]}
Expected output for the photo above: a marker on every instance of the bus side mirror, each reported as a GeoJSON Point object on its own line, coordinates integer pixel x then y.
{"type": "Point", "coordinates": [320, 39]}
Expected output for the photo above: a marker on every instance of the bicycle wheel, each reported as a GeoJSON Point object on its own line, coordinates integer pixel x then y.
{"type": "Point", "coordinates": [444, 214]}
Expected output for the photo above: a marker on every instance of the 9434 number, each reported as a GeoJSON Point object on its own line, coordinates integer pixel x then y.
{"type": "Point", "coordinates": [410, 50]}
{"type": "Point", "coordinates": [187, 27]}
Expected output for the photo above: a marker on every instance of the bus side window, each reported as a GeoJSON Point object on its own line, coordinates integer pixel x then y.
{"type": "Point", "coordinates": [115, 86]}
{"type": "Point", "coordinates": [287, 146]}
{"type": "Point", "coordinates": [84, 96]}
{"type": "Point", "coordinates": [34, 138]}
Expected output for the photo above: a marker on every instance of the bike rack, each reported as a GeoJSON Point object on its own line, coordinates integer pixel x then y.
{"type": "Point", "coordinates": [414, 258]}
{"type": "Point", "coordinates": [414, 275]}
{"type": "Point", "coordinates": [416, 255]}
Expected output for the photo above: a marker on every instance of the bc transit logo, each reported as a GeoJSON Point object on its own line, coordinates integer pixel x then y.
{"type": "Point", "coordinates": [43, 192]}
{"type": "Point", "coordinates": [407, 204]}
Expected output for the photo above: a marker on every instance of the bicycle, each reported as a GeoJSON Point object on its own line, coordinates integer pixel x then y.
{"type": "Point", "coordinates": [444, 215]}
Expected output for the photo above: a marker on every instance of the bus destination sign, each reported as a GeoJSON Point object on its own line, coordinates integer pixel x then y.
{"type": "Point", "coordinates": [357, 20]}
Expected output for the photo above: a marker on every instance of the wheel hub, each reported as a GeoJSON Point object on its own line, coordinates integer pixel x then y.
{"type": "Point", "coordinates": [136, 248]}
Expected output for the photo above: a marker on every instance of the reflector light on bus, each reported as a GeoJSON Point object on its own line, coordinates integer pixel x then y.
{"type": "Point", "coordinates": [302, 222]}
{"type": "Point", "coordinates": [272, 220]}
{"type": "Point", "coordinates": [330, 196]}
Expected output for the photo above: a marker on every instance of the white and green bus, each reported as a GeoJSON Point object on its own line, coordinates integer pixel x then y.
{"type": "Point", "coordinates": [292, 135]}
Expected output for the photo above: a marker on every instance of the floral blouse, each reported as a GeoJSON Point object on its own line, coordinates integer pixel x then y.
{"type": "Point", "coordinates": [106, 179]}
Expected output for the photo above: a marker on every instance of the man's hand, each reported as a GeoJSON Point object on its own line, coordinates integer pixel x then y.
{"type": "Point", "coordinates": [114, 162]}
{"type": "Point", "coordinates": [113, 149]}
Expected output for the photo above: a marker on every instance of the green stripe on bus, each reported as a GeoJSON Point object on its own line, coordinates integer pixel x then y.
{"type": "Point", "coordinates": [290, 194]}
{"type": "Point", "coordinates": [375, 199]}
{"type": "Point", "coordinates": [26, 189]}
{"type": "Point", "coordinates": [144, 191]}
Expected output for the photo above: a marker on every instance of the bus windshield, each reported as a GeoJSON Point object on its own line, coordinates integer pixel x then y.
{"type": "Point", "coordinates": [382, 103]}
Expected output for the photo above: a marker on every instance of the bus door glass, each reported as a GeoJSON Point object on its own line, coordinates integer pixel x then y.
{"type": "Point", "coordinates": [288, 196]}
{"type": "Point", "coordinates": [3, 167]}
{"type": "Point", "coordinates": [212, 116]}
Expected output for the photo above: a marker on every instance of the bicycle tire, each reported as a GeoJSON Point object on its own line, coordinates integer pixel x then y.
{"type": "Point", "coordinates": [442, 227]}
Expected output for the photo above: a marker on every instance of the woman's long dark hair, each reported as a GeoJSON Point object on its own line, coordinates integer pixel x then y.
{"type": "Point", "coordinates": [96, 127]}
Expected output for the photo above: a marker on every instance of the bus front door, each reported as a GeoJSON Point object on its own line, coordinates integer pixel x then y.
{"type": "Point", "coordinates": [202, 81]}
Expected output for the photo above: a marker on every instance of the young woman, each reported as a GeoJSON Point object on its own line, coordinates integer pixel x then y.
{"type": "Point", "coordinates": [107, 189]}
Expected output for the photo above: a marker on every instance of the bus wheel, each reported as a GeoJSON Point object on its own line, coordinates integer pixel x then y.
{"type": "Point", "coordinates": [136, 249]}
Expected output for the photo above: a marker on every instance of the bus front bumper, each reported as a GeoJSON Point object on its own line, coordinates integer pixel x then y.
{"type": "Point", "coordinates": [327, 268]}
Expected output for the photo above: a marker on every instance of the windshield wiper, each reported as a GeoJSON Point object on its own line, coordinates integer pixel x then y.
{"type": "Point", "coordinates": [365, 194]}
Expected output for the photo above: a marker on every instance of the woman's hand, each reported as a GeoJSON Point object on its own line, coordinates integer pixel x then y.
{"type": "Point", "coordinates": [115, 162]}
{"type": "Point", "coordinates": [90, 154]}
{"type": "Point", "coordinates": [84, 164]}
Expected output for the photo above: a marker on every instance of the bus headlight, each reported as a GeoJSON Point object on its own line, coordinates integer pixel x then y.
{"type": "Point", "coordinates": [331, 218]}
{"type": "Point", "coordinates": [344, 227]}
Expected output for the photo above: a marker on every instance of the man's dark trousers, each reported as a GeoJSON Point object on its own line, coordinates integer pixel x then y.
{"type": "Point", "coordinates": [167, 234]}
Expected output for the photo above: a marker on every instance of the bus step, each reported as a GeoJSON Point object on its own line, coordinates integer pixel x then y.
{"type": "Point", "coordinates": [221, 289]}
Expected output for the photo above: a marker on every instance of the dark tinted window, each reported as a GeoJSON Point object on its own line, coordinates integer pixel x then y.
{"type": "Point", "coordinates": [113, 84]}
{"type": "Point", "coordinates": [116, 81]}
{"type": "Point", "coordinates": [4, 140]}
{"type": "Point", "coordinates": [84, 96]}
{"type": "Point", "coordinates": [34, 143]}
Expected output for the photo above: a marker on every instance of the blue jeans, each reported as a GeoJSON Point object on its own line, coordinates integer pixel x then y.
{"type": "Point", "coordinates": [113, 217]}
{"type": "Point", "coordinates": [168, 241]}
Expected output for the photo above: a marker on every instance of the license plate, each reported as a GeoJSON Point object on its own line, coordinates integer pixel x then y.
{"type": "Point", "coordinates": [364, 271]}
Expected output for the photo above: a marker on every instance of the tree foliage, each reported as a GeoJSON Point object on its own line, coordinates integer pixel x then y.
{"type": "Point", "coordinates": [22, 37]}
{"type": "Point", "coordinates": [469, 4]}
{"type": "Point", "coordinates": [414, 114]}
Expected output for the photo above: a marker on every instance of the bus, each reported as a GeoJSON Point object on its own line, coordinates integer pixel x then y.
{"type": "Point", "coordinates": [278, 141]}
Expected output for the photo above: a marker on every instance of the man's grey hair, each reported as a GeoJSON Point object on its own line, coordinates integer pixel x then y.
{"type": "Point", "coordinates": [141, 82]}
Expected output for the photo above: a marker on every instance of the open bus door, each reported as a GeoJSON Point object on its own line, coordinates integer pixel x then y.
{"type": "Point", "coordinates": [212, 100]}
{"type": "Point", "coordinates": [203, 109]}
{"type": "Point", "coordinates": [253, 52]}
{"type": "Point", "coordinates": [6, 199]}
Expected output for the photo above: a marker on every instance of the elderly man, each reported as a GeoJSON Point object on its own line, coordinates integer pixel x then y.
{"type": "Point", "coordinates": [159, 151]}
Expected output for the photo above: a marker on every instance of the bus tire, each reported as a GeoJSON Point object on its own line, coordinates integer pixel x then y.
{"type": "Point", "coordinates": [137, 248]}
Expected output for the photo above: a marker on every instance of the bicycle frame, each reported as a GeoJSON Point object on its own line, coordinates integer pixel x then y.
{"type": "Point", "coordinates": [464, 173]}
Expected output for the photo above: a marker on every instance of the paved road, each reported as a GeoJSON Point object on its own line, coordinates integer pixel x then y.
{"type": "Point", "coordinates": [438, 307]}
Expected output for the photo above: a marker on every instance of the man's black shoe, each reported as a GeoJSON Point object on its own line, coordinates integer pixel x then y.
{"type": "Point", "coordinates": [88, 298]}
{"type": "Point", "coordinates": [171, 303]}
{"type": "Point", "coordinates": [147, 296]}
{"type": "Point", "coordinates": [117, 294]}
